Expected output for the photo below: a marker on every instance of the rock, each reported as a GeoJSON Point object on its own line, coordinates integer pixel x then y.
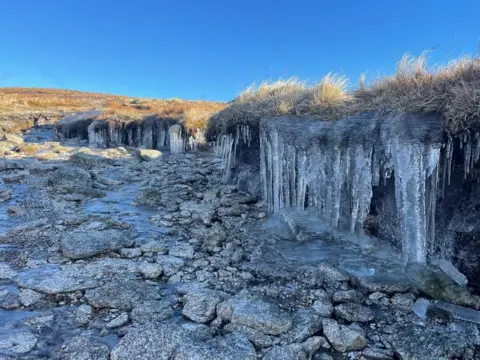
{"type": "Point", "coordinates": [17, 341]}
{"type": "Point", "coordinates": [89, 160]}
{"type": "Point", "coordinates": [384, 285]}
{"type": "Point", "coordinates": [200, 306]}
{"type": "Point", "coordinates": [229, 347]}
{"type": "Point", "coordinates": [15, 177]}
{"type": "Point", "coordinates": [255, 313]}
{"type": "Point", "coordinates": [170, 264]}
{"type": "Point", "coordinates": [258, 338]}
{"type": "Point", "coordinates": [185, 251]}
{"type": "Point", "coordinates": [377, 354]}
{"type": "Point", "coordinates": [347, 296]}
{"type": "Point", "coordinates": [429, 343]}
{"type": "Point", "coordinates": [342, 338]}
{"type": "Point", "coordinates": [120, 320]}
{"type": "Point", "coordinates": [200, 211]}
{"type": "Point", "coordinates": [29, 297]}
{"type": "Point", "coordinates": [85, 244]}
{"type": "Point", "coordinates": [353, 312]}
{"type": "Point", "coordinates": [147, 154]}
{"type": "Point", "coordinates": [403, 301]}
{"type": "Point", "coordinates": [323, 306]}
{"type": "Point", "coordinates": [302, 351]}
{"type": "Point", "coordinates": [6, 272]}
{"type": "Point", "coordinates": [150, 270]}
{"type": "Point", "coordinates": [9, 297]}
{"type": "Point", "coordinates": [83, 314]}
{"type": "Point", "coordinates": [306, 323]}
{"type": "Point", "coordinates": [121, 294]}
{"type": "Point", "coordinates": [131, 253]}
{"type": "Point", "coordinates": [236, 198]}
{"type": "Point", "coordinates": [439, 286]}
{"type": "Point", "coordinates": [5, 195]}
{"type": "Point", "coordinates": [331, 273]}
{"type": "Point", "coordinates": [82, 348]}
{"type": "Point", "coordinates": [153, 310]}
{"type": "Point", "coordinates": [216, 237]}
{"type": "Point", "coordinates": [52, 280]}
{"type": "Point", "coordinates": [151, 341]}
{"type": "Point", "coordinates": [70, 176]}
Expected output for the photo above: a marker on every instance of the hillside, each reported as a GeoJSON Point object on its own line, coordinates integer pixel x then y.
{"type": "Point", "coordinates": [18, 104]}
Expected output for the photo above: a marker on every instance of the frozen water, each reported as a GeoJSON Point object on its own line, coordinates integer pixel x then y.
{"type": "Point", "coordinates": [451, 271]}
{"type": "Point", "coordinates": [458, 312]}
{"type": "Point", "coordinates": [420, 308]}
{"type": "Point", "coordinates": [177, 140]}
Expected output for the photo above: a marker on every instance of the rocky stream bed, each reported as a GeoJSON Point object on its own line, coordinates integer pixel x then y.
{"type": "Point", "coordinates": [122, 254]}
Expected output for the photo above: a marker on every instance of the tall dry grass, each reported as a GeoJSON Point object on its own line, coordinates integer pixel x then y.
{"type": "Point", "coordinates": [452, 90]}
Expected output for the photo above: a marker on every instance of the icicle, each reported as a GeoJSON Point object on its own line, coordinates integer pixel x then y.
{"type": "Point", "coordinates": [177, 141]}
{"type": "Point", "coordinates": [447, 163]}
{"type": "Point", "coordinates": [477, 147]}
{"type": "Point", "coordinates": [467, 154]}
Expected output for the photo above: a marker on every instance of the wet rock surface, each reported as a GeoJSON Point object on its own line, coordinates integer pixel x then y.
{"type": "Point", "coordinates": [123, 254]}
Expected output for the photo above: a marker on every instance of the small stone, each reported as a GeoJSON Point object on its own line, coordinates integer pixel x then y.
{"type": "Point", "coordinates": [323, 306]}
{"type": "Point", "coordinates": [342, 338]}
{"type": "Point", "coordinates": [200, 305]}
{"type": "Point", "coordinates": [83, 314]}
{"type": "Point", "coordinates": [171, 264]}
{"type": "Point", "coordinates": [347, 296]}
{"type": "Point", "coordinates": [331, 273]}
{"type": "Point", "coordinates": [150, 270]}
{"type": "Point", "coordinates": [29, 297]}
{"type": "Point", "coordinates": [353, 312]}
{"type": "Point", "coordinates": [256, 337]}
{"type": "Point", "coordinates": [82, 348]}
{"type": "Point", "coordinates": [403, 301]}
{"type": "Point", "coordinates": [120, 320]}
{"type": "Point", "coordinates": [131, 253]}
{"type": "Point", "coordinates": [17, 342]}
{"type": "Point", "coordinates": [148, 154]}
{"type": "Point", "coordinates": [185, 251]}
{"type": "Point", "coordinates": [153, 310]}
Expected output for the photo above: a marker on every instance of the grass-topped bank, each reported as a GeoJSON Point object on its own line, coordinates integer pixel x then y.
{"type": "Point", "coordinates": [452, 90]}
{"type": "Point", "coordinates": [18, 104]}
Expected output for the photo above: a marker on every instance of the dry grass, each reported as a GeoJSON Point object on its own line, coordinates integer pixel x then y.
{"type": "Point", "coordinates": [452, 91]}
{"type": "Point", "coordinates": [19, 101]}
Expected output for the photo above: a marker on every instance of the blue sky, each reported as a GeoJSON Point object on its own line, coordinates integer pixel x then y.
{"type": "Point", "coordinates": [213, 49]}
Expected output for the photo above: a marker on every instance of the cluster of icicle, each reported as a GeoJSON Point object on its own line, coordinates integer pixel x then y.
{"type": "Point", "coordinates": [338, 181]}
{"type": "Point", "coordinates": [177, 140]}
{"type": "Point", "coordinates": [226, 147]}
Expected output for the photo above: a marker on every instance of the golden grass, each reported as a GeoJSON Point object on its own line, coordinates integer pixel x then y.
{"type": "Point", "coordinates": [452, 91]}
{"type": "Point", "coordinates": [15, 101]}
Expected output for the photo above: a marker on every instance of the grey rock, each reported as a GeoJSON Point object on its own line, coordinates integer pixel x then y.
{"type": "Point", "coordinates": [83, 314]}
{"type": "Point", "coordinates": [323, 306]}
{"type": "Point", "coordinates": [185, 251]}
{"type": "Point", "coordinates": [342, 338]}
{"type": "Point", "coordinates": [236, 198]}
{"type": "Point", "coordinates": [353, 312]}
{"type": "Point", "coordinates": [170, 264]}
{"type": "Point", "coordinates": [306, 323]}
{"type": "Point", "coordinates": [6, 272]}
{"type": "Point", "coordinates": [200, 211]}
{"type": "Point", "coordinates": [229, 347]}
{"type": "Point", "coordinates": [82, 348]}
{"type": "Point", "coordinates": [151, 341]}
{"type": "Point", "coordinates": [384, 285]}
{"type": "Point", "coordinates": [118, 321]}
{"type": "Point", "coordinates": [347, 296]}
{"type": "Point", "coordinates": [256, 313]}
{"type": "Point", "coordinates": [121, 294]}
{"type": "Point", "coordinates": [153, 310]}
{"type": "Point", "coordinates": [377, 354]}
{"type": "Point", "coordinates": [200, 306]}
{"type": "Point", "coordinates": [9, 297]}
{"type": "Point", "coordinates": [148, 154]}
{"type": "Point", "coordinates": [29, 297]}
{"type": "Point", "coordinates": [298, 351]}
{"type": "Point", "coordinates": [432, 343]}
{"type": "Point", "coordinates": [257, 337]}
{"type": "Point", "coordinates": [85, 244]}
{"type": "Point", "coordinates": [331, 273]}
{"type": "Point", "coordinates": [88, 160]}
{"type": "Point", "coordinates": [150, 270]}
{"type": "Point", "coordinates": [131, 253]}
{"type": "Point", "coordinates": [403, 301]}
{"type": "Point", "coordinates": [17, 341]}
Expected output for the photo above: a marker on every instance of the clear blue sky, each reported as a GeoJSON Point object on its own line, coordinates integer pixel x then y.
{"type": "Point", "coordinates": [209, 49]}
